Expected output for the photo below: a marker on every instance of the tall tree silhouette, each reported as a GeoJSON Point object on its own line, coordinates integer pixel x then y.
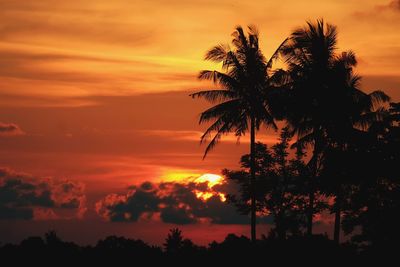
{"type": "Point", "coordinates": [326, 105]}
{"type": "Point", "coordinates": [242, 98]}
{"type": "Point", "coordinates": [373, 206]}
{"type": "Point", "coordinates": [358, 111]}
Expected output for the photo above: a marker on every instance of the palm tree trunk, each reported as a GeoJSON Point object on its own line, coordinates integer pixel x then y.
{"type": "Point", "coordinates": [338, 209]}
{"type": "Point", "coordinates": [253, 178]}
{"type": "Point", "coordinates": [310, 215]}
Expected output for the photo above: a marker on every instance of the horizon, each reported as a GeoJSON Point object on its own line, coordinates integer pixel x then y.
{"type": "Point", "coordinates": [94, 103]}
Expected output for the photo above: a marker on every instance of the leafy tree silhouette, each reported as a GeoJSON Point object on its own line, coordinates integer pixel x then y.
{"type": "Point", "coordinates": [281, 186]}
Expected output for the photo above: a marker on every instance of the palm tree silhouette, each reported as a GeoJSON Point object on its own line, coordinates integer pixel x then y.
{"type": "Point", "coordinates": [358, 111]}
{"type": "Point", "coordinates": [326, 105]}
{"type": "Point", "coordinates": [243, 98]}
{"type": "Point", "coordinates": [174, 241]}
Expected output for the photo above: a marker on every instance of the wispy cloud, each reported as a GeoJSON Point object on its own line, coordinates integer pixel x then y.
{"type": "Point", "coordinates": [81, 48]}
{"type": "Point", "coordinates": [10, 129]}
{"type": "Point", "coordinates": [196, 136]}
{"type": "Point", "coordinates": [394, 5]}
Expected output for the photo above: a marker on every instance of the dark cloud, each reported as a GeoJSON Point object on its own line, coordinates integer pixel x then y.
{"type": "Point", "coordinates": [10, 129]}
{"type": "Point", "coordinates": [172, 202]}
{"type": "Point", "coordinates": [23, 196]}
{"type": "Point", "coordinates": [380, 14]}
{"type": "Point", "coordinates": [395, 5]}
{"type": "Point", "coordinates": [13, 213]}
{"type": "Point", "coordinates": [176, 215]}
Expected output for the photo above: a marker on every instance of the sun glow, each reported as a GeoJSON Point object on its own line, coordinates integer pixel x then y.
{"type": "Point", "coordinates": [211, 180]}
{"type": "Point", "coordinates": [177, 176]}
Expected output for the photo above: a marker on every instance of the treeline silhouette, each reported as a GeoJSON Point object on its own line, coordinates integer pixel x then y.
{"type": "Point", "coordinates": [352, 137]}
{"type": "Point", "coordinates": [177, 250]}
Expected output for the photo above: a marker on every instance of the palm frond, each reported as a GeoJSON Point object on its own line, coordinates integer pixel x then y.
{"type": "Point", "coordinates": [224, 128]}
{"type": "Point", "coordinates": [276, 54]}
{"type": "Point", "coordinates": [239, 39]}
{"type": "Point", "coordinates": [214, 127]}
{"type": "Point", "coordinates": [219, 110]}
{"type": "Point", "coordinates": [214, 95]}
{"type": "Point", "coordinates": [253, 36]}
{"type": "Point", "coordinates": [217, 77]}
{"type": "Point", "coordinates": [331, 37]}
{"type": "Point", "coordinates": [304, 141]}
{"type": "Point", "coordinates": [280, 77]}
{"type": "Point", "coordinates": [218, 53]}
{"type": "Point", "coordinates": [355, 81]}
{"type": "Point", "coordinates": [379, 97]}
{"type": "Point", "coordinates": [364, 121]}
{"type": "Point", "coordinates": [348, 58]}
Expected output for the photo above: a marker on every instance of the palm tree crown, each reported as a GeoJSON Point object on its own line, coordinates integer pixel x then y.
{"type": "Point", "coordinates": [325, 95]}
{"type": "Point", "coordinates": [243, 86]}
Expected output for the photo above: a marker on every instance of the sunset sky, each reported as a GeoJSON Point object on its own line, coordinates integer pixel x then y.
{"type": "Point", "coordinates": [94, 103]}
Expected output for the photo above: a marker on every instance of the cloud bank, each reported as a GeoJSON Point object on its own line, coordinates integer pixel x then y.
{"type": "Point", "coordinates": [26, 197]}
{"type": "Point", "coordinates": [171, 202]}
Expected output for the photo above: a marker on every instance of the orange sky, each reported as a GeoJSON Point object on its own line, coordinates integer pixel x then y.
{"type": "Point", "coordinates": [99, 89]}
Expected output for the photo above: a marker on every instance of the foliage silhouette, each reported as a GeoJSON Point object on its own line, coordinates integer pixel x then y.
{"type": "Point", "coordinates": [325, 107]}
{"type": "Point", "coordinates": [232, 250]}
{"type": "Point", "coordinates": [281, 183]}
{"type": "Point", "coordinates": [373, 204]}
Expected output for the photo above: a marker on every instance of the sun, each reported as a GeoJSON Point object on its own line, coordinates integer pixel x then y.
{"type": "Point", "coordinates": [211, 180]}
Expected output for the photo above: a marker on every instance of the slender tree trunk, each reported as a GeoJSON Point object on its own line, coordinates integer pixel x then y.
{"type": "Point", "coordinates": [310, 215]}
{"type": "Point", "coordinates": [311, 192]}
{"type": "Point", "coordinates": [312, 189]}
{"type": "Point", "coordinates": [338, 209]}
{"type": "Point", "coordinates": [253, 179]}
{"type": "Point", "coordinates": [281, 231]}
